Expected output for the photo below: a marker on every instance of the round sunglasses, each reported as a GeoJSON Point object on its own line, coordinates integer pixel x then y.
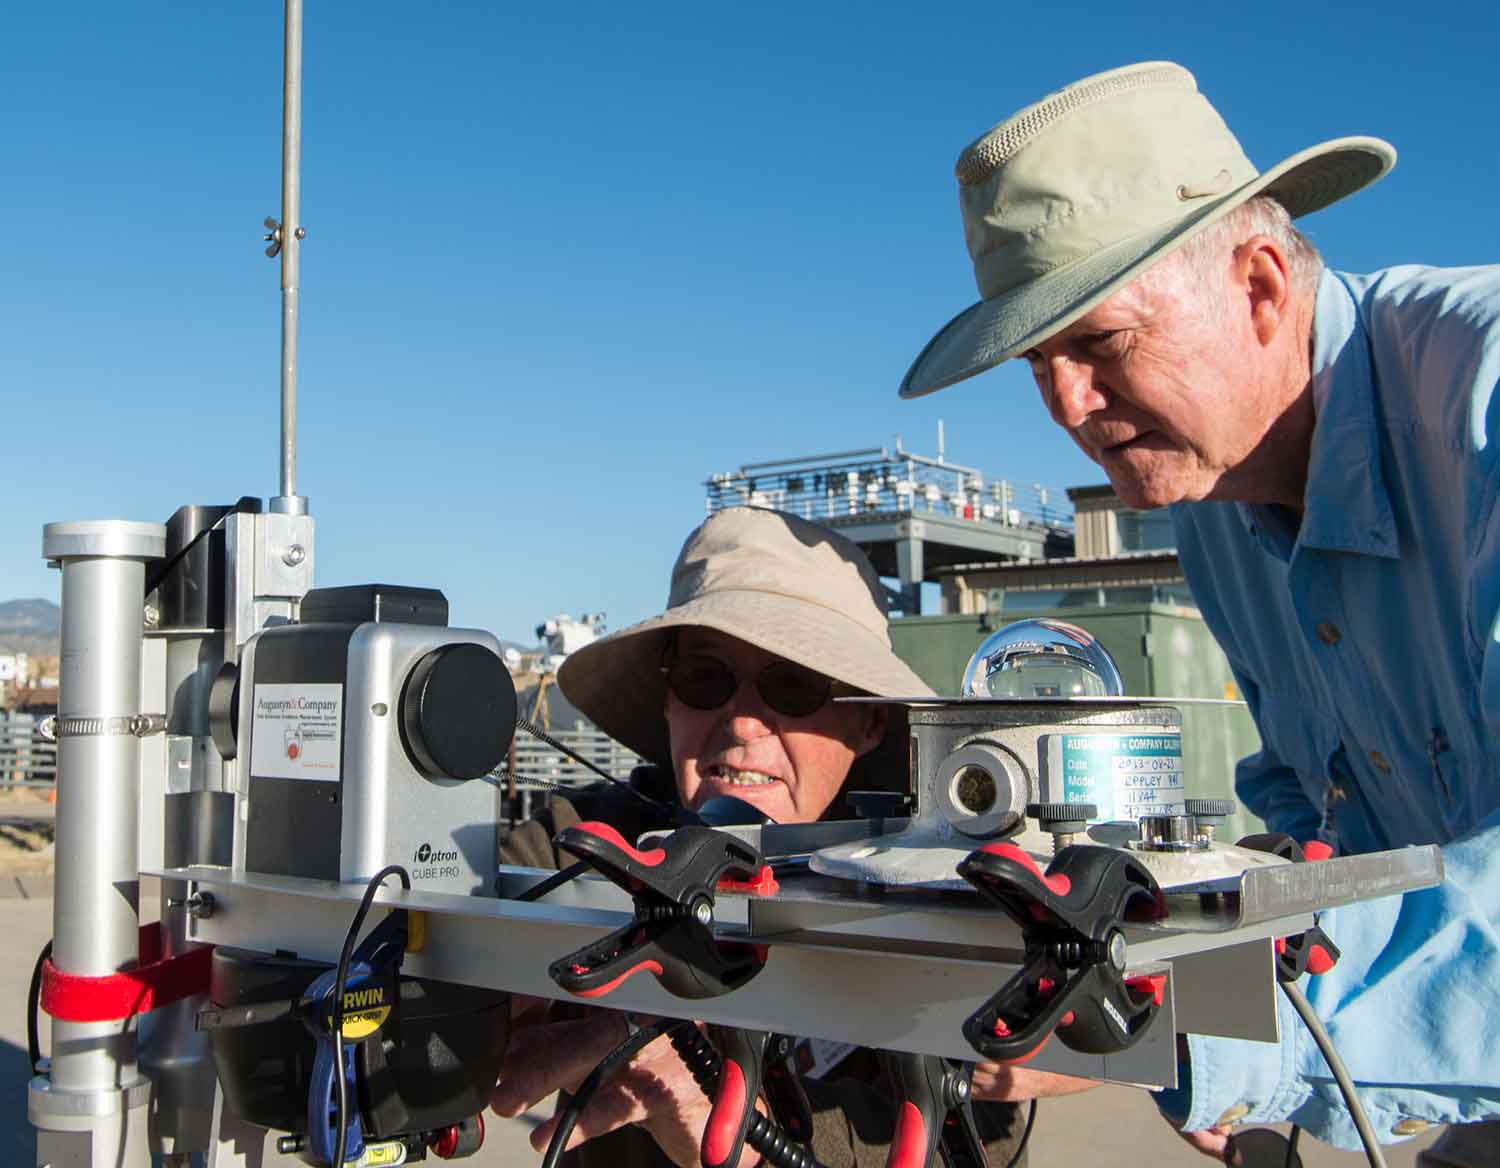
{"type": "Point", "coordinates": [706, 683]}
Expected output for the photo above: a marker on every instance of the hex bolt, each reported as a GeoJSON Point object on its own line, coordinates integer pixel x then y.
{"type": "Point", "coordinates": [151, 616]}
{"type": "Point", "coordinates": [294, 555]}
{"type": "Point", "coordinates": [200, 905]}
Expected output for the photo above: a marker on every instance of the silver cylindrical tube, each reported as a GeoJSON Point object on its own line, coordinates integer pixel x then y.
{"type": "Point", "coordinates": [291, 243]}
{"type": "Point", "coordinates": [95, 901]}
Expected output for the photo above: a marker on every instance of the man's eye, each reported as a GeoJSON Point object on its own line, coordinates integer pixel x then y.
{"type": "Point", "coordinates": [1104, 341]}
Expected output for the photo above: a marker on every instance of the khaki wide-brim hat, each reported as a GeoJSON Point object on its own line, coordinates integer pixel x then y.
{"type": "Point", "coordinates": [1069, 200]}
{"type": "Point", "coordinates": [773, 580]}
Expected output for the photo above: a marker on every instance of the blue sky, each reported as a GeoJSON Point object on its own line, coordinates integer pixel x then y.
{"type": "Point", "coordinates": [565, 261]}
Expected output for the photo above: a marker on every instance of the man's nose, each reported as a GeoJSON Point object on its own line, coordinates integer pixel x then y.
{"type": "Point", "coordinates": [747, 716]}
{"type": "Point", "coordinates": [1073, 395]}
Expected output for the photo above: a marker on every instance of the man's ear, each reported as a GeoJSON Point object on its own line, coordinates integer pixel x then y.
{"type": "Point", "coordinates": [872, 726]}
{"type": "Point", "coordinates": [1263, 276]}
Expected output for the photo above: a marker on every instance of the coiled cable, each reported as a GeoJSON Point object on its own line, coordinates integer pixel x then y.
{"type": "Point", "coordinates": [765, 1135]}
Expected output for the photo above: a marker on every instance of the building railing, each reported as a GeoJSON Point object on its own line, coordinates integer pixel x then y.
{"type": "Point", "coordinates": [548, 769]}
{"type": "Point", "coordinates": [826, 487]}
{"type": "Point", "coordinates": [26, 758]}
{"type": "Point", "coordinates": [534, 759]}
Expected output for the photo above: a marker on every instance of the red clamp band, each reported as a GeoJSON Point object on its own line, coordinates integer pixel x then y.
{"type": "Point", "coordinates": [155, 982]}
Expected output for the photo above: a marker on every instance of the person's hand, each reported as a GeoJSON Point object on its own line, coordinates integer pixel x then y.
{"type": "Point", "coordinates": [1008, 1083]}
{"type": "Point", "coordinates": [1211, 1141]}
{"type": "Point", "coordinates": [655, 1089]}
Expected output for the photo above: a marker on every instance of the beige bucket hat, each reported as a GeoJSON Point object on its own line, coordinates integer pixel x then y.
{"type": "Point", "coordinates": [1072, 198]}
{"type": "Point", "coordinates": [773, 580]}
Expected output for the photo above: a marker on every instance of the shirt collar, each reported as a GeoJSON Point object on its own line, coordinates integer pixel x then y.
{"type": "Point", "coordinates": [1347, 506]}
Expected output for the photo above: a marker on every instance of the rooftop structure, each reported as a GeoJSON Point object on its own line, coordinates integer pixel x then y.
{"type": "Point", "coordinates": [1121, 555]}
{"type": "Point", "coordinates": [915, 516]}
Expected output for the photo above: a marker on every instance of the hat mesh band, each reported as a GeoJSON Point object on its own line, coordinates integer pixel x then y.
{"type": "Point", "coordinates": [987, 155]}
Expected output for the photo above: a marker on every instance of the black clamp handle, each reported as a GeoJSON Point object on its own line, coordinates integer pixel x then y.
{"type": "Point", "coordinates": [671, 934]}
{"type": "Point", "coordinates": [783, 1090]}
{"type": "Point", "coordinates": [935, 1112]}
{"type": "Point", "coordinates": [1073, 978]}
{"type": "Point", "coordinates": [1311, 951]}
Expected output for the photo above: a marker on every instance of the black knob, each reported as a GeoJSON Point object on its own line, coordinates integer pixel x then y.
{"type": "Point", "coordinates": [458, 712]}
{"type": "Point", "coordinates": [1062, 815]}
{"type": "Point", "coordinates": [1212, 810]}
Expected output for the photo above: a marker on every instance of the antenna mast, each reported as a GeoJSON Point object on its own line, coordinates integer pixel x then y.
{"type": "Point", "coordinates": [286, 238]}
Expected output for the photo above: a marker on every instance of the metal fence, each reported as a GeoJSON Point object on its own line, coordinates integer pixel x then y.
{"type": "Point", "coordinates": [26, 758]}
{"type": "Point", "coordinates": [534, 759]}
{"type": "Point", "coordinates": [879, 480]}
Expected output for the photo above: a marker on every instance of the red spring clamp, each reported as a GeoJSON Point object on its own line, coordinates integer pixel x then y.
{"type": "Point", "coordinates": [1073, 979]}
{"type": "Point", "coordinates": [1311, 951]}
{"type": "Point", "coordinates": [936, 1112]}
{"type": "Point", "coordinates": [671, 935]}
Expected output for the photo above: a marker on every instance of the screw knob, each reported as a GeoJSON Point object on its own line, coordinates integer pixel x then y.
{"type": "Point", "coordinates": [1214, 809]}
{"type": "Point", "coordinates": [1062, 816]}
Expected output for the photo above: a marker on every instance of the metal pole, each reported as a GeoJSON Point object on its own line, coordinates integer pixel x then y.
{"type": "Point", "coordinates": [288, 501]}
{"type": "Point", "coordinates": [93, 1081]}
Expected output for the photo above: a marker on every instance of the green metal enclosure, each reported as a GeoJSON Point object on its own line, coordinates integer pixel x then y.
{"type": "Point", "coordinates": [1163, 650]}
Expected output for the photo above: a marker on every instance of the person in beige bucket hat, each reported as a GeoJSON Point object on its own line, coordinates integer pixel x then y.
{"type": "Point", "coordinates": [730, 692]}
{"type": "Point", "coordinates": [1327, 444]}
{"type": "Point", "coordinates": [778, 585]}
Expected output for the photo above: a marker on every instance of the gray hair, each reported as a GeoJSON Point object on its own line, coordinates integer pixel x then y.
{"type": "Point", "coordinates": [1261, 215]}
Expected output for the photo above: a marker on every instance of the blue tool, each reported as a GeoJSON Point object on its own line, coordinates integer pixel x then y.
{"type": "Point", "coordinates": [371, 995]}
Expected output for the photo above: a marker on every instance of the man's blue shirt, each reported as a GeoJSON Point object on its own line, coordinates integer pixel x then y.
{"type": "Point", "coordinates": [1364, 638]}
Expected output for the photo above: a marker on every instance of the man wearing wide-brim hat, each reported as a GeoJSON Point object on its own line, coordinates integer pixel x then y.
{"type": "Point", "coordinates": [730, 692]}
{"type": "Point", "coordinates": [1327, 444]}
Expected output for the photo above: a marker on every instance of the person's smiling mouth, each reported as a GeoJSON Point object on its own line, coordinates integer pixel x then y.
{"type": "Point", "coordinates": [731, 776]}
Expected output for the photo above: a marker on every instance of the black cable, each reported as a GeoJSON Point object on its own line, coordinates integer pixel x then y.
{"type": "Point", "coordinates": [1341, 1076]}
{"type": "Point", "coordinates": [1015, 1157]}
{"type": "Point", "coordinates": [340, 1093]}
{"type": "Point", "coordinates": [568, 1118]}
{"type": "Point", "coordinates": [556, 880]}
{"type": "Point", "coordinates": [33, 1003]}
{"type": "Point", "coordinates": [537, 732]}
{"type": "Point", "coordinates": [764, 1134]}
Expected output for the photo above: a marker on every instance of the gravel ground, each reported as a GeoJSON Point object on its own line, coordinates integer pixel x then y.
{"type": "Point", "coordinates": [26, 830]}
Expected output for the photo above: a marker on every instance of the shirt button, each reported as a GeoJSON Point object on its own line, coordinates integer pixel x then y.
{"type": "Point", "coordinates": [1378, 761]}
{"type": "Point", "coordinates": [1233, 1115]}
{"type": "Point", "coordinates": [1410, 1127]}
{"type": "Point", "coordinates": [1328, 633]}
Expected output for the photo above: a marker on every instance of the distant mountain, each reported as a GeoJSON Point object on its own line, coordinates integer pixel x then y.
{"type": "Point", "coordinates": [30, 626]}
